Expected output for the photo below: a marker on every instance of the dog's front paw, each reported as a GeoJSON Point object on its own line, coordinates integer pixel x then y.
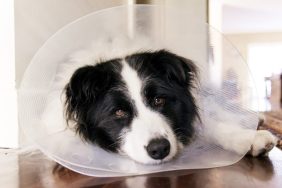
{"type": "Point", "coordinates": [263, 142]}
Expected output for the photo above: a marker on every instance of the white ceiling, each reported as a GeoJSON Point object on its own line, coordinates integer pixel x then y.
{"type": "Point", "coordinates": [251, 16]}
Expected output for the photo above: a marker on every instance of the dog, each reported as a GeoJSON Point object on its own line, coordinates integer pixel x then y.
{"type": "Point", "coordinates": [143, 105]}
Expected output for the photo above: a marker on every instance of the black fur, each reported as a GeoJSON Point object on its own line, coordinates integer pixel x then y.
{"type": "Point", "coordinates": [171, 77]}
{"type": "Point", "coordinates": [92, 96]}
{"type": "Point", "coordinates": [94, 93]}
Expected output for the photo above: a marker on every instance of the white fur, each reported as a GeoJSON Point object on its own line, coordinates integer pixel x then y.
{"type": "Point", "coordinates": [263, 140]}
{"type": "Point", "coordinates": [242, 140]}
{"type": "Point", "coordinates": [99, 51]}
{"type": "Point", "coordinates": [225, 130]}
{"type": "Point", "coordinates": [238, 139]}
{"type": "Point", "coordinates": [146, 126]}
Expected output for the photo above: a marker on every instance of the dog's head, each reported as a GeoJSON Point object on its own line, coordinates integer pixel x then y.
{"type": "Point", "coordinates": [141, 105]}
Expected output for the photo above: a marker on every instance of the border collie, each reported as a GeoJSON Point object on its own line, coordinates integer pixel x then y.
{"type": "Point", "coordinates": [143, 105]}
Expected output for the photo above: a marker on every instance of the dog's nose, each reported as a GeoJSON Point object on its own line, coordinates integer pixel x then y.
{"type": "Point", "coordinates": [158, 148]}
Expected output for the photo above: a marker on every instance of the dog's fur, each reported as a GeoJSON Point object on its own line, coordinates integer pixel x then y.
{"type": "Point", "coordinates": [143, 105]}
{"type": "Point", "coordinates": [152, 90]}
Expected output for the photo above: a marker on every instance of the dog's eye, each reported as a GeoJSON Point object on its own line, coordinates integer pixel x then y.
{"type": "Point", "coordinates": [120, 114]}
{"type": "Point", "coordinates": [159, 101]}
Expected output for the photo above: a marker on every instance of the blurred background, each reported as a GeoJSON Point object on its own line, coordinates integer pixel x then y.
{"type": "Point", "coordinates": [253, 26]}
{"type": "Point", "coordinates": [255, 29]}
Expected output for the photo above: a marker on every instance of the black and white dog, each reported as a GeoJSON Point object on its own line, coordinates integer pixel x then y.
{"type": "Point", "coordinates": [143, 105]}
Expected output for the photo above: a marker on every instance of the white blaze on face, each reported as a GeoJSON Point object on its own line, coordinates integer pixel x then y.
{"type": "Point", "coordinates": [146, 126]}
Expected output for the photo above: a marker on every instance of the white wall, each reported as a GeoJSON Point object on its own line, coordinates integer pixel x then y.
{"type": "Point", "coordinates": [8, 106]}
{"type": "Point", "coordinates": [37, 20]}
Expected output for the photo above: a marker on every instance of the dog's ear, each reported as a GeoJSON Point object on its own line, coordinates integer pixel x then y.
{"type": "Point", "coordinates": [82, 90]}
{"type": "Point", "coordinates": [175, 68]}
